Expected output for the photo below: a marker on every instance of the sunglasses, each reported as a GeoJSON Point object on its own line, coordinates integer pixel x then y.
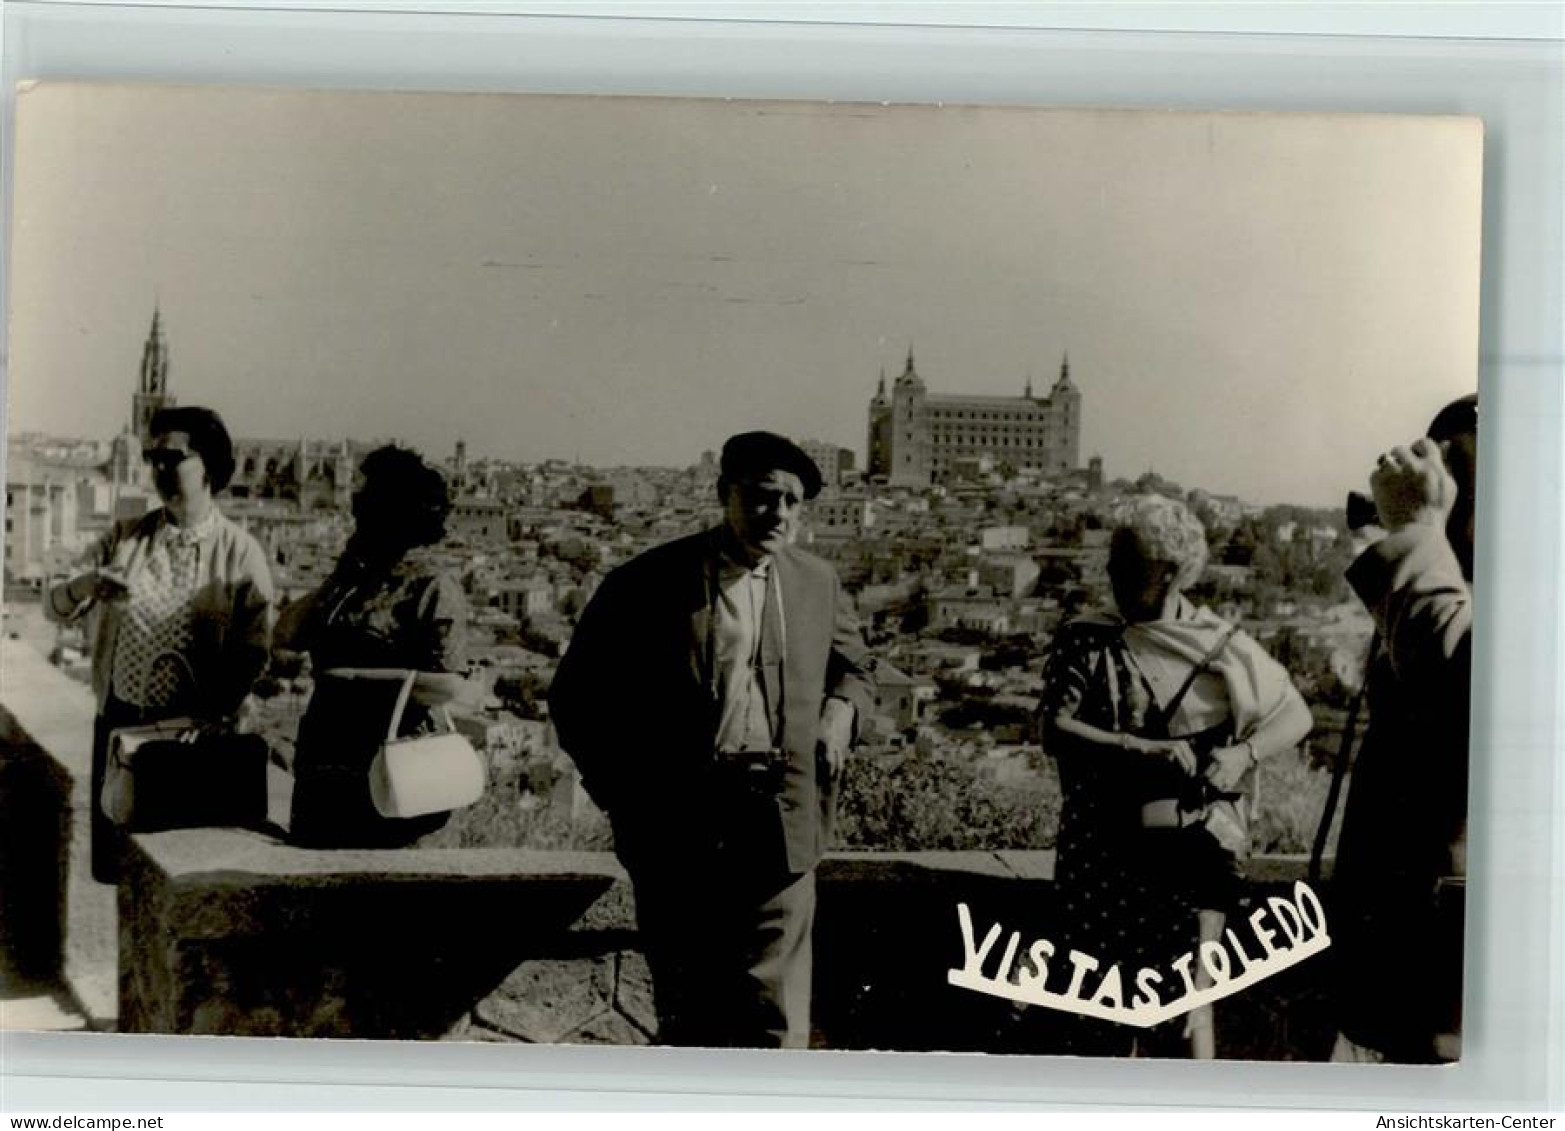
{"type": "Point", "coordinates": [166, 459]}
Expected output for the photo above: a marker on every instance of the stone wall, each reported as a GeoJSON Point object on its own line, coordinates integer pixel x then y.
{"type": "Point", "coordinates": [228, 932]}
{"type": "Point", "coordinates": [44, 800]}
{"type": "Point", "coordinates": [35, 824]}
{"type": "Point", "coordinates": [225, 931]}
{"type": "Point", "coordinates": [222, 931]}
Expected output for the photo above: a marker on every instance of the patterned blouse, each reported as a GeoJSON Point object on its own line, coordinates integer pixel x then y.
{"type": "Point", "coordinates": [202, 594]}
{"type": "Point", "coordinates": [150, 668]}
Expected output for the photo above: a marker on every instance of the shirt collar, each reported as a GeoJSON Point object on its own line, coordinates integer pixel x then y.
{"type": "Point", "coordinates": [730, 565]}
{"type": "Point", "coordinates": [191, 535]}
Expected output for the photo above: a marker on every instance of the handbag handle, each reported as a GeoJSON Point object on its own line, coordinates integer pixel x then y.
{"type": "Point", "coordinates": [184, 662]}
{"type": "Point", "coordinates": [403, 696]}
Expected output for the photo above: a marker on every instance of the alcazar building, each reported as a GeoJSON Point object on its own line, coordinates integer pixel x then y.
{"type": "Point", "coordinates": [917, 438]}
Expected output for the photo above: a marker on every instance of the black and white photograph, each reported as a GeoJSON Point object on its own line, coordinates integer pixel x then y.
{"type": "Point", "coordinates": [739, 574]}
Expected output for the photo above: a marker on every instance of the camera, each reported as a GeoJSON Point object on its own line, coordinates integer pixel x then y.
{"type": "Point", "coordinates": [1361, 511]}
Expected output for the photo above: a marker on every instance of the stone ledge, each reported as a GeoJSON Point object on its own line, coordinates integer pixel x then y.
{"type": "Point", "coordinates": [198, 855]}
{"type": "Point", "coordinates": [226, 931]}
{"type": "Point", "coordinates": [35, 829]}
{"type": "Point", "coordinates": [49, 711]}
{"type": "Point", "coordinates": [232, 932]}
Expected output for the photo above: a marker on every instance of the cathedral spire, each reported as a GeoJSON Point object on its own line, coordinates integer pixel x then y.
{"type": "Point", "coordinates": [909, 368]}
{"type": "Point", "coordinates": [152, 388]}
{"type": "Point", "coordinates": [154, 358]}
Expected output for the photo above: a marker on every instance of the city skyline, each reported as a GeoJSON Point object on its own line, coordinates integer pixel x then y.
{"type": "Point", "coordinates": [1252, 304]}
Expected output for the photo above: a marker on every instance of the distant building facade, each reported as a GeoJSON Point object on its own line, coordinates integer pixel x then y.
{"type": "Point", "coordinates": [997, 538]}
{"type": "Point", "coordinates": [834, 461]}
{"type": "Point", "coordinates": [917, 439]}
{"type": "Point", "coordinates": [840, 516]}
{"type": "Point", "coordinates": [315, 474]}
{"type": "Point", "coordinates": [41, 526]}
{"type": "Point", "coordinates": [478, 520]}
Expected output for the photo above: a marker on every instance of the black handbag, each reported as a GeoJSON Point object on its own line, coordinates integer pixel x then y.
{"type": "Point", "coordinates": [153, 780]}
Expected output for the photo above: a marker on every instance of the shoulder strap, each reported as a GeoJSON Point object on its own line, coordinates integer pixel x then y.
{"type": "Point", "coordinates": [1168, 711]}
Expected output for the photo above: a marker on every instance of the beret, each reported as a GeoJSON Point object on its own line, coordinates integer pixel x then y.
{"type": "Point", "coordinates": [753, 454]}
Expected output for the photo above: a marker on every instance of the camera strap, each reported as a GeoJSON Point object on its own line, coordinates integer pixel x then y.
{"type": "Point", "coordinates": [1168, 710]}
{"type": "Point", "coordinates": [1339, 769]}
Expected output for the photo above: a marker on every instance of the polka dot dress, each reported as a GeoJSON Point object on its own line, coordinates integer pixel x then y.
{"type": "Point", "coordinates": [1115, 903]}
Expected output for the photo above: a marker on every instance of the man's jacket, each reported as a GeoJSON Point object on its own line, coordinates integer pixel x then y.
{"type": "Point", "coordinates": [633, 704]}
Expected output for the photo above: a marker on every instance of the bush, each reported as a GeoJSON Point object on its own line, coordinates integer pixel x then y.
{"type": "Point", "coordinates": [1291, 795]}
{"type": "Point", "coordinates": [912, 803]}
{"type": "Point", "coordinates": [517, 811]}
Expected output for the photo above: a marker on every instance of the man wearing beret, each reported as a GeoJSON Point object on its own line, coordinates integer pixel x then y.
{"type": "Point", "coordinates": [709, 695]}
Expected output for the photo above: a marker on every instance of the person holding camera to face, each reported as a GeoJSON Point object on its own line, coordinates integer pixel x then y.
{"type": "Point", "coordinates": [1404, 828]}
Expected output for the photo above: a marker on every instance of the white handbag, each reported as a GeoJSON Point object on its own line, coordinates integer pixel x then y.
{"type": "Point", "coordinates": [427, 773]}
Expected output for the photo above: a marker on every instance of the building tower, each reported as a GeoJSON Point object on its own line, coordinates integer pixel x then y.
{"type": "Point", "coordinates": [152, 388]}
{"type": "Point", "coordinates": [1065, 422]}
{"type": "Point", "coordinates": [342, 476]}
{"type": "Point", "coordinates": [909, 437]}
{"type": "Point", "coordinates": [126, 470]}
{"type": "Point", "coordinates": [878, 449]}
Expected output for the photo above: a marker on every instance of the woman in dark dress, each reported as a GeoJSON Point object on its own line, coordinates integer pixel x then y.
{"type": "Point", "coordinates": [385, 610]}
{"type": "Point", "coordinates": [1157, 719]}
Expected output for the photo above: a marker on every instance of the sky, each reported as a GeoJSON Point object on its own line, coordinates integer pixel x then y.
{"type": "Point", "coordinates": [1253, 304]}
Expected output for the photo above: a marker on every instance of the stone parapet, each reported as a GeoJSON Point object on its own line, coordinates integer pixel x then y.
{"type": "Point", "coordinates": [48, 723]}
{"type": "Point", "coordinates": [229, 932]}
{"type": "Point", "coordinates": [225, 931]}
{"type": "Point", "coordinates": [35, 830]}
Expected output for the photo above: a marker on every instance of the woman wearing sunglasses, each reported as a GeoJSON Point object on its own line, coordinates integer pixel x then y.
{"type": "Point", "coordinates": [181, 600]}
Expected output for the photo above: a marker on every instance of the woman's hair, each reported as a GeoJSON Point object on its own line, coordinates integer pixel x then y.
{"type": "Point", "coordinates": [209, 439]}
{"type": "Point", "coordinates": [414, 494]}
{"type": "Point", "coordinates": [1166, 532]}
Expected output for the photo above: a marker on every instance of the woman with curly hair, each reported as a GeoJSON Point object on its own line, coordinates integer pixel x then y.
{"type": "Point", "coordinates": [1157, 719]}
{"type": "Point", "coordinates": [385, 610]}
